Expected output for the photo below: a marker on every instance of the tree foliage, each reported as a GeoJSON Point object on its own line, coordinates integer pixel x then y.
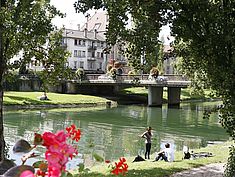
{"type": "Point", "coordinates": [26, 32]}
{"type": "Point", "coordinates": [141, 37]}
{"type": "Point", "coordinates": [204, 39]}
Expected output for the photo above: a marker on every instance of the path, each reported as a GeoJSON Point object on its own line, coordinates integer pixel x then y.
{"type": "Point", "coordinates": [211, 170]}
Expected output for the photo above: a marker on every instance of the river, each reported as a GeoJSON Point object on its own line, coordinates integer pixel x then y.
{"type": "Point", "coordinates": [113, 132]}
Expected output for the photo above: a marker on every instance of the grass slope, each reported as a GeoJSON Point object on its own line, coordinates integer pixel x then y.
{"type": "Point", "coordinates": [161, 168]}
{"type": "Point", "coordinates": [31, 98]}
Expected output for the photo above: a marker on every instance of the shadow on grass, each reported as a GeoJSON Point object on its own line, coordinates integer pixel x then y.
{"type": "Point", "coordinates": [24, 100]}
{"type": "Point", "coordinates": [154, 172]}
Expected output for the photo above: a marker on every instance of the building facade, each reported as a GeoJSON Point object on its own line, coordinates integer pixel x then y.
{"type": "Point", "coordinates": [86, 49]}
{"type": "Point", "coordinates": [98, 22]}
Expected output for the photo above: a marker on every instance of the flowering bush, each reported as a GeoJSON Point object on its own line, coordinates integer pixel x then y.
{"type": "Point", "coordinates": [59, 149]}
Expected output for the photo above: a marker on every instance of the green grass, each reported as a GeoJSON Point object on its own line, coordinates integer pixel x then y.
{"type": "Point", "coordinates": [31, 98]}
{"type": "Point", "coordinates": [185, 93]}
{"type": "Point", "coordinates": [161, 168]}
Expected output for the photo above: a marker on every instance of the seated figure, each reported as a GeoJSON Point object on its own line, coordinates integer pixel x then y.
{"type": "Point", "coordinates": [166, 154]}
{"type": "Point", "coordinates": [44, 96]}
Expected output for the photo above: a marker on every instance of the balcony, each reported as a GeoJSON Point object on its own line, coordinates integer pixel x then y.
{"type": "Point", "coordinates": [92, 47]}
{"type": "Point", "coordinates": [91, 58]}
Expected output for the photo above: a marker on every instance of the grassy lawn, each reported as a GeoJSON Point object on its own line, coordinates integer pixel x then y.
{"type": "Point", "coordinates": [185, 93]}
{"type": "Point", "coordinates": [161, 168]}
{"type": "Point", "coordinates": [31, 98]}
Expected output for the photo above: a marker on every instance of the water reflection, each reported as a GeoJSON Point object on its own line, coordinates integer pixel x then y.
{"type": "Point", "coordinates": [114, 132]}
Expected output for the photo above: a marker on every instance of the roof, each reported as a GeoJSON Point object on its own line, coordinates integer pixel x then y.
{"type": "Point", "coordinates": [69, 33]}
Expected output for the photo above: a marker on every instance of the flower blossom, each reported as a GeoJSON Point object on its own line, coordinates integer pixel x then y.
{"type": "Point", "coordinates": [27, 173]}
{"type": "Point", "coordinates": [58, 151]}
{"type": "Point", "coordinates": [120, 167]}
{"type": "Point", "coordinates": [73, 133]}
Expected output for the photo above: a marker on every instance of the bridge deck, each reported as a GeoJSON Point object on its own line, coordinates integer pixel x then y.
{"type": "Point", "coordinates": [137, 80]}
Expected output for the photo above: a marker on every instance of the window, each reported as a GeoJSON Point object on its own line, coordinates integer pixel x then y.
{"type": "Point", "coordinates": [90, 65]}
{"type": "Point", "coordinates": [81, 64]}
{"type": "Point", "coordinates": [83, 42]}
{"type": "Point", "coordinates": [75, 42]}
{"type": "Point", "coordinates": [98, 54]}
{"type": "Point", "coordinates": [63, 41]}
{"type": "Point", "coordinates": [102, 44]}
{"type": "Point", "coordinates": [100, 65]}
{"type": "Point", "coordinates": [83, 53]}
{"type": "Point", "coordinates": [75, 53]}
{"type": "Point", "coordinates": [89, 54]}
{"type": "Point", "coordinates": [93, 54]}
{"type": "Point", "coordinates": [89, 43]}
{"type": "Point", "coordinates": [75, 65]}
{"type": "Point", "coordinates": [79, 53]}
{"type": "Point", "coordinates": [102, 55]}
{"type": "Point", "coordinates": [97, 26]}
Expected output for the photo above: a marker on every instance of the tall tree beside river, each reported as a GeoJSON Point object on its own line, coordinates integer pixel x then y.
{"type": "Point", "coordinates": [26, 30]}
{"type": "Point", "coordinates": [204, 38]}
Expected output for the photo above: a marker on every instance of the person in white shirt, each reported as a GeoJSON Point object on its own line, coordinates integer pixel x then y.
{"type": "Point", "coordinates": [166, 154]}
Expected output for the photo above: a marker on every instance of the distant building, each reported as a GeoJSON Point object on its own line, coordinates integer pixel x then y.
{"type": "Point", "coordinates": [86, 48]}
{"type": "Point", "coordinates": [99, 22]}
{"type": "Point", "coordinates": [168, 60]}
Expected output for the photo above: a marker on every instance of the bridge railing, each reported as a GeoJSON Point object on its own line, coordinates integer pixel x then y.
{"type": "Point", "coordinates": [170, 77]}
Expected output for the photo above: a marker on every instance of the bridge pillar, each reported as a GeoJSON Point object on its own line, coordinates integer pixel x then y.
{"type": "Point", "coordinates": [155, 96]}
{"type": "Point", "coordinates": [173, 95]}
{"type": "Point", "coordinates": [71, 87]}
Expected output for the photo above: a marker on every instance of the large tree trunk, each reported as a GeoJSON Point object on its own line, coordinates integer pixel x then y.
{"type": "Point", "coordinates": [2, 67]}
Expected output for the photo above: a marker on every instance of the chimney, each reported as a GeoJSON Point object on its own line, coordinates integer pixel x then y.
{"type": "Point", "coordinates": [78, 25]}
{"type": "Point", "coordinates": [85, 32]}
{"type": "Point", "coordinates": [95, 33]}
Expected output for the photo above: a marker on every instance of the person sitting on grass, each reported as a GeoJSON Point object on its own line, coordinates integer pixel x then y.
{"type": "Point", "coordinates": [44, 96]}
{"type": "Point", "coordinates": [166, 154]}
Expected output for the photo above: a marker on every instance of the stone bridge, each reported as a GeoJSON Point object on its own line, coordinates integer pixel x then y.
{"type": "Point", "coordinates": [96, 83]}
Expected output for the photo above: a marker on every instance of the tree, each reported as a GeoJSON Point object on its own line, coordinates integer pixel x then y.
{"type": "Point", "coordinates": [204, 38]}
{"type": "Point", "coordinates": [142, 38]}
{"type": "Point", "coordinates": [25, 28]}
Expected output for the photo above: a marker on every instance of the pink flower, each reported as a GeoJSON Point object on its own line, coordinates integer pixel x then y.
{"type": "Point", "coordinates": [53, 172]}
{"type": "Point", "coordinates": [53, 158]}
{"type": "Point", "coordinates": [61, 136]}
{"type": "Point", "coordinates": [48, 139]}
{"type": "Point", "coordinates": [55, 148]}
{"type": "Point", "coordinates": [27, 173]}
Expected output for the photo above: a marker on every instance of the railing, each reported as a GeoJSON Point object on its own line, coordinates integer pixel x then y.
{"type": "Point", "coordinates": [170, 77]}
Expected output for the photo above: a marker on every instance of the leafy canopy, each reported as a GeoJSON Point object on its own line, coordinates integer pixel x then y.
{"type": "Point", "coordinates": [26, 32]}
{"type": "Point", "coordinates": [140, 36]}
{"type": "Point", "coordinates": [204, 39]}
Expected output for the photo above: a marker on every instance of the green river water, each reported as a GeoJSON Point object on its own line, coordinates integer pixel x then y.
{"type": "Point", "coordinates": [113, 132]}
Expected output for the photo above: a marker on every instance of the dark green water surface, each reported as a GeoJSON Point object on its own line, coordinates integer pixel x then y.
{"type": "Point", "coordinates": [113, 132]}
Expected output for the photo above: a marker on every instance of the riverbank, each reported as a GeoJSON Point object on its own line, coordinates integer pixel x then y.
{"type": "Point", "coordinates": [30, 100]}
{"type": "Point", "coordinates": [186, 94]}
{"type": "Point", "coordinates": [162, 169]}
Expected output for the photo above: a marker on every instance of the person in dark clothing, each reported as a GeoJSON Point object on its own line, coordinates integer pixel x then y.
{"type": "Point", "coordinates": [148, 136]}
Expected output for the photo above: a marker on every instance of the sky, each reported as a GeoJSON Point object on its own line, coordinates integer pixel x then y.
{"type": "Point", "coordinates": [72, 18]}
